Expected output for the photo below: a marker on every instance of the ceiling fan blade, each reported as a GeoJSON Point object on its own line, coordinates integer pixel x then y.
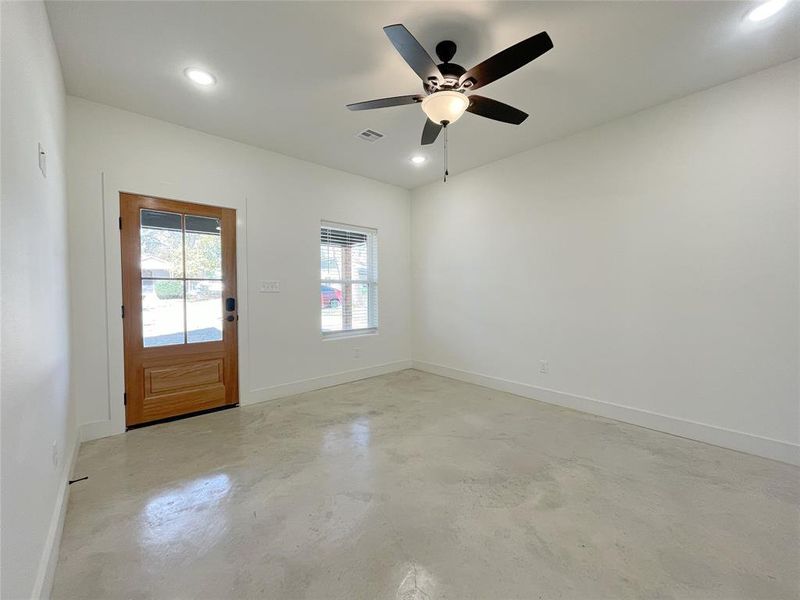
{"type": "Point", "coordinates": [492, 109]}
{"type": "Point", "coordinates": [413, 52]}
{"type": "Point", "coordinates": [386, 102]}
{"type": "Point", "coordinates": [430, 132]}
{"type": "Point", "coordinates": [507, 61]}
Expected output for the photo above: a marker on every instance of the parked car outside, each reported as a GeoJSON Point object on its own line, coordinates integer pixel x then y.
{"type": "Point", "coordinates": [331, 297]}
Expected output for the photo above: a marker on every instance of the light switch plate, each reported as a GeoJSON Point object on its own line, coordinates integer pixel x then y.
{"type": "Point", "coordinates": [270, 287]}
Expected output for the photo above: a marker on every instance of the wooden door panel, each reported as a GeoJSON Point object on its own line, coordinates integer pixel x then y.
{"type": "Point", "coordinates": [167, 378]}
{"type": "Point", "coordinates": [181, 376]}
{"type": "Point", "coordinates": [162, 406]}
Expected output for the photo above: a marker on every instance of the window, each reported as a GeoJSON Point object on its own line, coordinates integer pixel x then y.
{"type": "Point", "coordinates": [348, 278]}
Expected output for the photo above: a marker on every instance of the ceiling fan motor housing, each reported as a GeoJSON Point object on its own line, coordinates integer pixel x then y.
{"type": "Point", "coordinates": [451, 72]}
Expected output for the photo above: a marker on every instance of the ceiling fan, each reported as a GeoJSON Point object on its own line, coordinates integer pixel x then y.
{"type": "Point", "coordinates": [446, 84]}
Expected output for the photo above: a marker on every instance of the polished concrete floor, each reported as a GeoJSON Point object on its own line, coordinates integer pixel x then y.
{"type": "Point", "coordinates": [412, 486]}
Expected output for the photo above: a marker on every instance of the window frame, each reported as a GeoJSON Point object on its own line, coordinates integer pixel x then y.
{"type": "Point", "coordinates": [372, 283]}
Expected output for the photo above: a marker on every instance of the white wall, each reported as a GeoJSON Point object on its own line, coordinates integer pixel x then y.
{"type": "Point", "coordinates": [653, 261]}
{"type": "Point", "coordinates": [280, 202]}
{"type": "Point", "coordinates": [35, 409]}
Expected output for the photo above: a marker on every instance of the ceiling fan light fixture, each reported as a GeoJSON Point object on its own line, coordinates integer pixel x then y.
{"type": "Point", "coordinates": [446, 106]}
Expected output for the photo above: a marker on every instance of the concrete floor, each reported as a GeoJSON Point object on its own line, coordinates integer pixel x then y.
{"type": "Point", "coordinates": [412, 486]}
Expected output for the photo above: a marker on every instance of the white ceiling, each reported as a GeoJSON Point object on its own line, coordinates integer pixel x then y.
{"type": "Point", "coordinates": [286, 69]}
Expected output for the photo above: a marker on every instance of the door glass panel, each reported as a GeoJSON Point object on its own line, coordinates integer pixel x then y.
{"type": "Point", "coordinates": [161, 236]}
{"type": "Point", "coordinates": [203, 248]}
{"type": "Point", "coordinates": [162, 312]}
{"type": "Point", "coordinates": [181, 265]}
{"type": "Point", "coordinates": [203, 311]}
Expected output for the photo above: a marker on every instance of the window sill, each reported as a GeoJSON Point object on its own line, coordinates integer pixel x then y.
{"type": "Point", "coordinates": [339, 335]}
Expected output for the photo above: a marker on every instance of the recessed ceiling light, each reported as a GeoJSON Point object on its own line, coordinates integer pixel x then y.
{"type": "Point", "coordinates": [418, 159]}
{"type": "Point", "coordinates": [200, 77]}
{"type": "Point", "coordinates": [766, 10]}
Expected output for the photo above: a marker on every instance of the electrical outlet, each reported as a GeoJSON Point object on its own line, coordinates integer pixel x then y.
{"type": "Point", "coordinates": [544, 367]}
{"type": "Point", "coordinates": [356, 352]}
{"type": "Point", "coordinates": [270, 287]}
{"type": "Point", "coordinates": [55, 454]}
{"type": "Point", "coordinates": [42, 160]}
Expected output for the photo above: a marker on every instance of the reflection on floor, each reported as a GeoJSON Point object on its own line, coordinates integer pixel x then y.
{"type": "Point", "coordinates": [411, 485]}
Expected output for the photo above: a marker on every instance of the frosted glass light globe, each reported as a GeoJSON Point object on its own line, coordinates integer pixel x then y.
{"type": "Point", "coordinates": [445, 106]}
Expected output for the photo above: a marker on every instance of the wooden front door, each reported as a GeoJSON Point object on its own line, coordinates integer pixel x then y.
{"type": "Point", "coordinates": [180, 308]}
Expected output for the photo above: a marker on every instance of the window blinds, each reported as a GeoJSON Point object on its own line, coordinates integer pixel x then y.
{"type": "Point", "coordinates": [348, 278]}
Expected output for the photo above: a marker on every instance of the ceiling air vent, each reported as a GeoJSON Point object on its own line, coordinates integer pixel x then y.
{"type": "Point", "coordinates": [369, 135]}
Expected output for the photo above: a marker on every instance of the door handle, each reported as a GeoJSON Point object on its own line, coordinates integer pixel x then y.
{"type": "Point", "coordinates": [230, 318]}
{"type": "Point", "coordinates": [230, 304]}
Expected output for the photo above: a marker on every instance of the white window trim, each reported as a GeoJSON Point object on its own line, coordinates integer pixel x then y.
{"type": "Point", "coordinates": [324, 223]}
{"type": "Point", "coordinates": [330, 336]}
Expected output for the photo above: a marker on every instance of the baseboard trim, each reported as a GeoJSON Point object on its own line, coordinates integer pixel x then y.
{"type": "Point", "coordinates": [702, 432]}
{"type": "Point", "coordinates": [317, 383]}
{"type": "Point", "coordinates": [99, 429]}
{"type": "Point", "coordinates": [43, 585]}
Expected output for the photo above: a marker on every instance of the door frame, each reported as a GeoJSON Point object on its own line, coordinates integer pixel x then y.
{"type": "Point", "coordinates": [110, 185]}
{"type": "Point", "coordinates": [130, 205]}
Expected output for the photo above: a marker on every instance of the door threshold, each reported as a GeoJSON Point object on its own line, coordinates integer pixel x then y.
{"type": "Point", "coordinates": [181, 417]}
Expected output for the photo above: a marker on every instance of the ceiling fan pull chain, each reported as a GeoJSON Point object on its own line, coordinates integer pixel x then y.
{"type": "Point", "coordinates": [445, 154]}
